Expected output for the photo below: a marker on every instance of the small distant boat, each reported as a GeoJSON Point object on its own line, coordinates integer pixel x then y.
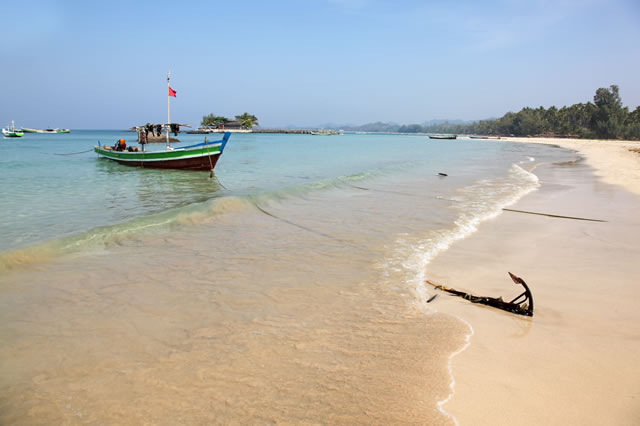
{"type": "Point", "coordinates": [443, 136]}
{"type": "Point", "coordinates": [483, 137]}
{"type": "Point", "coordinates": [12, 132]}
{"type": "Point", "coordinates": [28, 130]}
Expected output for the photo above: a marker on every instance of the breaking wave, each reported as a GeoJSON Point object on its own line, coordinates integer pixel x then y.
{"type": "Point", "coordinates": [473, 205]}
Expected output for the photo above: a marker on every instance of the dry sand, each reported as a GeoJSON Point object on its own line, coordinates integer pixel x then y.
{"type": "Point", "coordinates": [577, 361]}
{"type": "Point", "coordinates": [615, 162]}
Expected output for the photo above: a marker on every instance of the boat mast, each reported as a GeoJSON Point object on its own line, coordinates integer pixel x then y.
{"type": "Point", "coordinates": [168, 106]}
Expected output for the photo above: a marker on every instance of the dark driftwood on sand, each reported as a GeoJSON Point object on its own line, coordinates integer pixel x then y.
{"type": "Point", "coordinates": [521, 305]}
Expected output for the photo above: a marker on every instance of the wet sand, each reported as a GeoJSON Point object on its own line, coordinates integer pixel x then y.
{"type": "Point", "coordinates": [251, 321]}
{"type": "Point", "coordinates": [260, 320]}
{"type": "Point", "coordinates": [576, 360]}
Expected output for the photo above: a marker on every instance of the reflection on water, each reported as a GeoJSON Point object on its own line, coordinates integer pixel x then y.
{"type": "Point", "coordinates": [157, 189]}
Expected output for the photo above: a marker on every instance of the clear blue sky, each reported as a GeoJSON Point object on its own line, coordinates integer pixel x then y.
{"type": "Point", "coordinates": [86, 64]}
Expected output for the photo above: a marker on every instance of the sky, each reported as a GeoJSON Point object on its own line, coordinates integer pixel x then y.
{"type": "Point", "coordinates": [305, 63]}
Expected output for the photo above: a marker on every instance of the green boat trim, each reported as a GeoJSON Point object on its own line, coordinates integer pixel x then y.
{"type": "Point", "coordinates": [12, 132]}
{"type": "Point", "coordinates": [28, 130]}
{"type": "Point", "coordinates": [150, 156]}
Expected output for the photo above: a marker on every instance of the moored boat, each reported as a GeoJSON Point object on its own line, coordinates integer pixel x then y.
{"type": "Point", "coordinates": [201, 156]}
{"type": "Point", "coordinates": [483, 137]}
{"type": "Point", "coordinates": [12, 132]}
{"type": "Point", "coordinates": [28, 130]}
{"type": "Point", "coordinates": [443, 136]}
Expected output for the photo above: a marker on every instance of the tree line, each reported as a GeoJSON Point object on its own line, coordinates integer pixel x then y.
{"type": "Point", "coordinates": [604, 118]}
{"type": "Point", "coordinates": [246, 120]}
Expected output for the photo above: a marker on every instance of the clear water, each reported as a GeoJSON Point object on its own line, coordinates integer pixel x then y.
{"type": "Point", "coordinates": [50, 188]}
{"type": "Point", "coordinates": [288, 289]}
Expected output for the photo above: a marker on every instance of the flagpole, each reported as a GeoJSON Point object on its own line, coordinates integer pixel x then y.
{"type": "Point", "coordinates": [168, 106]}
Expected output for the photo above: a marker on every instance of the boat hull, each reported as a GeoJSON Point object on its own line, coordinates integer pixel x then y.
{"type": "Point", "coordinates": [27, 130]}
{"type": "Point", "coordinates": [10, 134]}
{"type": "Point", "coordinates": [442, 137]}
{"type": "Point", "coordinates": [197, 157]}
{"type": "Point", "coordinates": [207, 162]}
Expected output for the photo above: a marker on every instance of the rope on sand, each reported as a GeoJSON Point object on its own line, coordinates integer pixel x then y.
{"type": "Point", "coordinates": [312, 230]}
{"type": "Point", "coordinates": [378, 190]}
{"type": "Point", "coordinates": [74, 153]}
{"type": "Point", "coordinates": [554, 215]}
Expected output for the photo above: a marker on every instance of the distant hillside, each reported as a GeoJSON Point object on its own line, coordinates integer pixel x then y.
{"type": "Point", "coordinates": [390, 127]}
{"type": "Point", "coordinates": [605, 118]}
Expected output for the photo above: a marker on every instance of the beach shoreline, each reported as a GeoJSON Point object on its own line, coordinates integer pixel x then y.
{"type": "Point", "coordinates": [612, 160]}
{"type": "Point", "coordinates": [574, 361]}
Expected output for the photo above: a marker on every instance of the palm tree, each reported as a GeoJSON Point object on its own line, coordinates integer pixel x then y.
{"type": "Point", "coordinates": [247, 120]}
{"type": "Point", "coordinates": [213, 120]}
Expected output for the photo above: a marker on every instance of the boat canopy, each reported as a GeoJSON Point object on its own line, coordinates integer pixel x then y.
{"type": "Point", "coordinates": [153, 132]}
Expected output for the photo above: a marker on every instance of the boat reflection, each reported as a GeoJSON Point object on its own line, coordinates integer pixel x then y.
{"type": "Point", "coordinates": [137, 191]}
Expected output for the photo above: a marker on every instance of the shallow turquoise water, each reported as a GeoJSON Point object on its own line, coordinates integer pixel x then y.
{"type": "Point", "coordinates": [50, 188]}
{"type": "Point", "coordinates": [287, 289]}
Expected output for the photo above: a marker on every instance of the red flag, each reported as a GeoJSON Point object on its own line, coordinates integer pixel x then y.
{"type": "Point", "coordinates": [172, 92]}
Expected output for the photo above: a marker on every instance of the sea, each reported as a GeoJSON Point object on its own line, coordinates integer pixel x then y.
{"type": "Point", "coordinates": [286, 288]}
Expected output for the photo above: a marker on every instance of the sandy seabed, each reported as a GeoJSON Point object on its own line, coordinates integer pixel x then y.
{"type": "Point", "coordinates": [576, 361]}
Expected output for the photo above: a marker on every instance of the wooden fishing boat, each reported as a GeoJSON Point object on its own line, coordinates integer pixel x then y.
{"type": "Point", "coordinates": [483, 137]}
{"type": "Point", "coordinates": [201, 156]}
{"type": "Point", "coordinates": [12, 132]}
{"type": "Point", "coordinates": [28, 130]}
{"type": "Point", "coordinates": [443, 136]}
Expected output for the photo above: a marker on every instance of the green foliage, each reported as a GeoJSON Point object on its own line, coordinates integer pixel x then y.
{"type": "Point", "coordinates": [604, 118]}
{"type": "Point", "coordinates": [411, 128]}
{"type": "Point", "coordinates": [632, 124]}
{"type": "Point", "coordinates": [609, 116]}
{"type": "Point", "coordinates": [213, 120]}
{"type": "Point", "coordinates": [247, 120]}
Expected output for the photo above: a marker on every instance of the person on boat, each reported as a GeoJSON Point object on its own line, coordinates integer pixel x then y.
{"type": "Point", "coordinates": [120, 145]}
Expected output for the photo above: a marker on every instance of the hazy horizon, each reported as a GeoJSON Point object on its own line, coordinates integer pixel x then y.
{"type": "Point", "coordinates": [104, 66]}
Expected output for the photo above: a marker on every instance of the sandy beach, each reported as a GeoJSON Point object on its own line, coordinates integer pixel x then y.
{"type": "Point", "coordinates": [576, 360]}
{"type": "Point", "coordinates": [308, 306]}
{"type": "Point", "coordinates": [615, 162]}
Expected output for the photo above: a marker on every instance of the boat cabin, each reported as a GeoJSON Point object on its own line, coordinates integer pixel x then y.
{"type": "Point", "coordinates": [232, 124]}
{"type": "Point", "coordinates": [156, 133]}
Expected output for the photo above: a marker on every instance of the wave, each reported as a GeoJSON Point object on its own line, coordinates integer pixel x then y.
{"type": "Point", "coordinates": [114, 235]}
{"type": "Point", "coordinates": [473, 205]}
{"type": "Point", "coordinates": [195, 214]}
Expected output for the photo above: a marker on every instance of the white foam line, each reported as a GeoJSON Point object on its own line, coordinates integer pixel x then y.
{"type": "Point", "coordinates": [452, 382]}
{"type": "Point", "coordinates": [463, 230]}
{"type": "Point", "coordinates": [466, 227]}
